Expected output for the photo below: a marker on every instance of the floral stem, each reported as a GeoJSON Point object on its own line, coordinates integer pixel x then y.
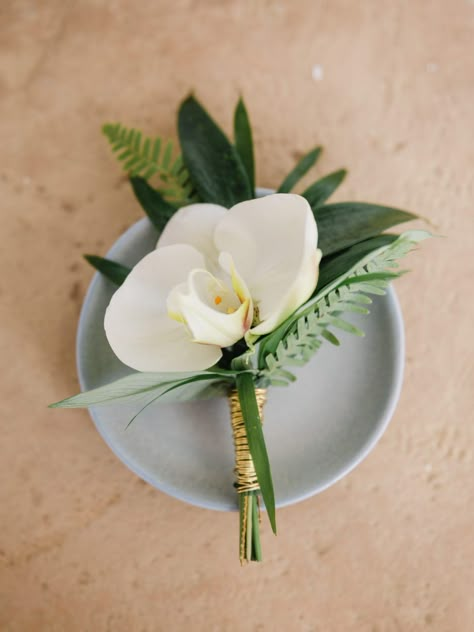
{"type": "Point", "coordinates": [249, 527]}
{"type": "Point", "coordinates": [250, 549]}
{"type": "Point", "coordinates": [256, 548]}
{"type": "Point", "coordinates": [246, 483]}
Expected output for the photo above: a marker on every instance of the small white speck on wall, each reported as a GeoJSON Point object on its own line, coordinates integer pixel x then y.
{"type": "Point", "coordinates": [432, 67]}
{"type": "Point", "coordinates": [317, 72]}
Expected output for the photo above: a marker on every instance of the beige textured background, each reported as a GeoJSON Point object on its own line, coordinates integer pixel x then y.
{"type": "Point", "coordinates": [85, 545]}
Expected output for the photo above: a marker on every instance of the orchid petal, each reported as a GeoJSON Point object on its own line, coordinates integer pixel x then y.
{"type": "Point", "coordinates": [194, 225]}
{"type": "Point", "coordinates": [137, 325]}
{"type": "Point", "coordinates": [272, 241]}
{"type": "Point", "coordinates": [212, 311]}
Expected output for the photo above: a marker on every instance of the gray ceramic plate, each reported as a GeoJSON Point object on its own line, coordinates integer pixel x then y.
{"type": "Point", "coordinates": [317, 430]}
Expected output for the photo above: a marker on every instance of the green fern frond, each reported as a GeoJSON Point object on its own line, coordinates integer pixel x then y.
{"type": "Point", "coordinates": [296, 341]}
{"type": "Point", "coordinates": [147, 157]}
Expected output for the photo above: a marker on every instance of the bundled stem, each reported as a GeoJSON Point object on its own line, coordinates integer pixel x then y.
{"type": "Point", "coordinates": [246, 481]}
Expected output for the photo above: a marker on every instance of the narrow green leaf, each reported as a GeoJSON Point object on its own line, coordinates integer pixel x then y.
{"type": "Point", "coordinates": [133, 386]}
{"type": "Point", "coordinates": [137, 140]}
{"type": "Point", "coordinates": [177, 166]}
{"type": "Point", "coordinates": [115, 272]}
{"type": "Point", "coordinates": [124, 154]}
{"type": "Point", "coordinates": [243, 141]}
{"type": "Point", "coordinates": [340, 323]}
{"type": "Point", "coordinates": [176, 385]}
{"type": "Point", "coordinates": [139, 166]}
{"type": "Point", "coordinates": [165, 163]}
{"type": "Point", "coordinates": [134, 160]}
{"type": "Point", "coordinates": [330, 337]}
{"type": "Point", "coordinates": [374, 276]}
{"type": "Point", "coordinates": [156, 150]}
{"type": "Point", "coordinates": [335, 265]}
{"type": "Point", "coordinates": [362, 299]}
{"type": "Point", "coordinates": [300, 170]}
{"type": "Point", "coordinates": [320, 191]}
{"type": "Point", "coordinates": [256, 545]}
{"type": "Point", "coordinates": [213, 163]}
{"type": "Point", "coordinates": [155, 206]}
{"type": "Point", "coordinates": [352, 307]}
{"type": "Point", "coordinates": [152, 169]}
{"type": "Point", "coordinates": [253, 426]}
{"type": "Point", "coordinates": [370, 288]}
{"type": "Point", "coordinates": [343, 224]}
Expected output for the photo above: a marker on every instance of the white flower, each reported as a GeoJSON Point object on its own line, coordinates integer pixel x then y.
{"type": "Point", "coordinates": [216, 276]}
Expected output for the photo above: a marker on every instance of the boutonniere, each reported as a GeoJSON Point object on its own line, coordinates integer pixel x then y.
{"type": "Point", "coordinates": [240, 287]}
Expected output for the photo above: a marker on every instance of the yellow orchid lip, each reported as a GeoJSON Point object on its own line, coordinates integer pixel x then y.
{"type": "Point", "coordinates": [210, 308]}
{"type": "Point", "coordinates": [237, 285]}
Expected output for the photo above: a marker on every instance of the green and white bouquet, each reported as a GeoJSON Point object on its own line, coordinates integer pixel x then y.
{"type": "Point", "coordinates": [240, 288]}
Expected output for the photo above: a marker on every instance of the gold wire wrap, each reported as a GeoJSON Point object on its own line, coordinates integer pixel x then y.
{"type": "Point", "coordinates": [246, 479]}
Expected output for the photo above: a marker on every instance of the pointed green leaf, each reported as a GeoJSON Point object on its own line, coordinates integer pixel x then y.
{"type": "Point", "coordinates": [330, 337]}
{"type": "Point", "coordinates": [385, 277]}
{"type": "Point", "coordinates": [253, 426]}
{"type": "Point", "coordinates": [131, 162]}
{"type": "Point", "coordinates": [243, 141]}
{"type": "Point", "coordinates": [155, 206]}
{"type": "Point", "coordinates": [340, 323]}
{"type": "Point", "coordinates": [320, 191]}
{"type": "Point", "coordinates": [115, 272]}
{"type": "Point", "coordinates": [300, 170]}
{"type": "Point", "coordinates": [343, 224]}
{"type": "Point", "coordinates": [335, 265]}
{"type": "Point", "coordinates": [165, 163]}
{"type": "Point", "coordinates": [137, 140]}
{"type": "Point", "coordinates": [198, 377]}
{"type": "Point", "coordinates": [156, 149]}
{"type": "Point", "coordinates": [136, 385]}
{"type": "Point", "coordinates": [124, 155]}
{"type": "Point", "coordinates": [213, 163]}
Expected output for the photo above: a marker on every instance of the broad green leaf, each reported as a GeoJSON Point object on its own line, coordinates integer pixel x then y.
{"type": "Point", "coordinates": [343, 224]}
{"type": "Point", "coordinates": [214, 165]}
{"type": "Point", "coordinates": [243, 141]}
{"type": "Point", "coordinates": [320, 191]}
{"type": "Point", "coordinates": [253, 426]}
{"type": "Point", "coordinates": [115, 272]}
{"type": "Point", "coordinates": [335, 265]}
{"type": "Point", "coordinates": [135, 385]}
{"type": "Point", "coordinates": [155, 206]}
{"type": "Point", "coordinates": [300, 170]}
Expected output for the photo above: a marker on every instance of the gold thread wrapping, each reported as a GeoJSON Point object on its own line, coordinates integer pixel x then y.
{"type": "Point", "coordinates": [246, 478]}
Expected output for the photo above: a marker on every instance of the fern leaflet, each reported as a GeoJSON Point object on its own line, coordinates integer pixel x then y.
{"type": "Point", "coordinates": [295, 342]}
{"type": "Point", "coordinates": [147, 157]}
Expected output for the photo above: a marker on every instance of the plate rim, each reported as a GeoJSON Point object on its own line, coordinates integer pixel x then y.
{"type": "Point", "coordinates": [175, 492]}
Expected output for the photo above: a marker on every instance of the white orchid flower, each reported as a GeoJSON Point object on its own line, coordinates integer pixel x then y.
{"type": "Point", "coordinates": [216, 276]}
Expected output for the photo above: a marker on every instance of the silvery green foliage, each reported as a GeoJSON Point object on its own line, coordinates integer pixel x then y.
{"type": "Point", "coordinates": [297, 339]}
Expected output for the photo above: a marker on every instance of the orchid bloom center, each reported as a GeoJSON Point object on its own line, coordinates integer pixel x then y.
{"type": "Point", "coordinates": [212, 308]}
